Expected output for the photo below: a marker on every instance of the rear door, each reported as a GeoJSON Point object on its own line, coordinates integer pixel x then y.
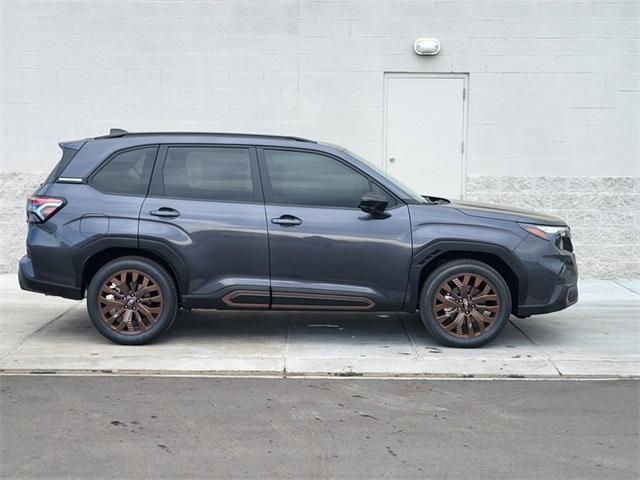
{"type": "Point", "coordinates": [326, 253]}
{"type": "Point", "coordinates": [205, 209]}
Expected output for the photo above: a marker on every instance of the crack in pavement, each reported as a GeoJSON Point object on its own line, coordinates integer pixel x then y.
{"type": "Point", "coordinates": [406, 331]}
{"type": "Point", "coordinates": [542, 349]}
{"type": "Point", "coordinates": [26, 338]}
{"type": "Point", "coordinates": [286, 347]}
{"type": "Point", "coordinates": [625, 287]}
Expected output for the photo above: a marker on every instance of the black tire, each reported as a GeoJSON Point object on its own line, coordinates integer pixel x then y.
{"type": "Point", "coordinates": [148, 329]}
{"type": "Point", "coordinates": [447, 321]}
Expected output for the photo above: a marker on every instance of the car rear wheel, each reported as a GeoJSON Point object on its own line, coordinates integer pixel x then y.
{"type": "Point", "coordinates": [132, 300]}
{"type": "Point", "coordinates": [465, 303]}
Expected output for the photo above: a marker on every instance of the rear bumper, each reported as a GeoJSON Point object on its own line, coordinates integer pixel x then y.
{"type": "Point", "coordinates": [28, 281]}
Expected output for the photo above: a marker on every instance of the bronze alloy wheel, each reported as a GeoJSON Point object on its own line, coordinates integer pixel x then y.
{"type": "Point", "coordinates": [130, 302]}
{"type": "Point", "coordinates": [466, 305]}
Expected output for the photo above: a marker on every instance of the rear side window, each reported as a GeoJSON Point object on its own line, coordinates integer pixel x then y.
{"type": "Point", "coordinates": [208, 173]}
{"type": "Point", "coordinates": [127, 173]}
{"type": "Point", "coordinates": [303, 178]}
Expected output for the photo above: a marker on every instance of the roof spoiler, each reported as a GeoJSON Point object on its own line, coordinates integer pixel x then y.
{"type": "Point", "coordinates": [72, 144]}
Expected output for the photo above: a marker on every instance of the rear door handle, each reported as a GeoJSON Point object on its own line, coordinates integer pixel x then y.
{"type": "Point", "coordinates": [165, 212]}
{"type": "Point", "coordinates": [287, 221]}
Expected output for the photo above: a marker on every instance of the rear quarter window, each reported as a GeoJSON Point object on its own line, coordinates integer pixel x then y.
{"type": "Point", "coordinates": [126, 173]}
{"type": "Point", "coordinates": [67, 155]}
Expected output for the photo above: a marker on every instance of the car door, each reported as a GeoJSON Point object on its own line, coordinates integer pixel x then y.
{"type": "Point", "coordinates": [205, 210]}
{"type": "Point", "coordinates": [326, 253]}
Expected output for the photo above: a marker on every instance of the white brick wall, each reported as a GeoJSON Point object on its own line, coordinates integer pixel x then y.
{"type": "Point", "coordinates": [554, 85]}
{"type": "Point", "coordinates": [603, 212]}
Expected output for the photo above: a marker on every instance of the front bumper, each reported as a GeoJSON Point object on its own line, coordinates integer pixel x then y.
{"type": "Point", "coordinates": [29, 282]}
{"type": "Point", "coordinates": [563, 296]}
{"type": "Point", "coordinates": [552, 277]}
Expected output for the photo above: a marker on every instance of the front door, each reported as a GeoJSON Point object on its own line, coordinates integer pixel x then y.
{"type": "Point", "coordinates": [206, 206]}
{"type": "Point", "coordinates": [424, 131]}
{"type": "Point", "coordinates": [325, 253]}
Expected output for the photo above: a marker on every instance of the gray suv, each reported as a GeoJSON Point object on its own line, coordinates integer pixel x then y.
{"type": "Point", "coordinates": [143, 224]}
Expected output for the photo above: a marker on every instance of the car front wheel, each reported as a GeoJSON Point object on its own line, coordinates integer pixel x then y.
{"type": "Point", "coordinates": [132, 300]}
{"type": "Point", "coordinates": [465, 303]}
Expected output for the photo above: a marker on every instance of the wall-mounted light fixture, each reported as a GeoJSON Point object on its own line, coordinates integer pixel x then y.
{"type": "Point", "coordinates": [427, 46]}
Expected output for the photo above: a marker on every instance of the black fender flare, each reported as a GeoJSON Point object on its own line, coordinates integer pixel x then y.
{"type": "Point", "coordinates": [175, 262]}
{"type": "Point", "coordinates": [431, 251]}
{"type": "Point", "coordinates": [172, 258]}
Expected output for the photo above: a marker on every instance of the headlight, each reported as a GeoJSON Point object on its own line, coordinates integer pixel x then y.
{"type": "Point", "coordinates": [546, 232]}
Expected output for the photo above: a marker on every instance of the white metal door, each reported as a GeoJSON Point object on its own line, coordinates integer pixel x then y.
{"type": "Point", "coordinates": [425, 131]}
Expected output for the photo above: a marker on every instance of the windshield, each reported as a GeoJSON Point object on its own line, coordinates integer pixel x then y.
{"type": "Point", "coordinates": [417, 197]}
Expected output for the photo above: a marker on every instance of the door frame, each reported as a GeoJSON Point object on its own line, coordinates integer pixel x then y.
{"type": "Point", "coordinates": [305, 297]}
{"type": "Point", "coordinates": [465, 115]}
{"type": "Point", "coordinates": [234, 296]}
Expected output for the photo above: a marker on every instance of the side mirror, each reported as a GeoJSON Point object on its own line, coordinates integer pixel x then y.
{"type": "Point", "coordinates": [373, 204]}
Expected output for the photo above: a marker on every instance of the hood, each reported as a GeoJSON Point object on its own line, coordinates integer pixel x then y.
{"type": "Point", "coordinates": [505, 213]}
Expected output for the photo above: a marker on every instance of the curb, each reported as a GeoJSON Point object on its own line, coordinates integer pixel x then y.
{"type": "Point", "coordinates": [305, 375]}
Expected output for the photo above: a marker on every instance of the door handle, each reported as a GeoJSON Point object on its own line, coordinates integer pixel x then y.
{"type": "Point", "coordinates": [165, 212]}
{"type": "Point", "coordinates": [287, 221]}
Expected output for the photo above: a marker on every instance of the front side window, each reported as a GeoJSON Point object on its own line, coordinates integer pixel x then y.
{"type": "Point", "coordinates": [208, 173]}
{"type": "Point", "coordinates": [127, 173]}
{"type": "Point", "coordinates": [415, 196]}
{"type": "Point", "coordinates": [304, 178]}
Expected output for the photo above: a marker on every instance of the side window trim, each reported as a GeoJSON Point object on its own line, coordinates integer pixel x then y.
{"type": "Point", "coordinates": [266, 180]}
{"type": "Point", "coordinates": [258, 191]}
{"type": "Point", "coordinates": [157, 189]}
{"type": "Point", "coordinates": [108, 160]}
{"type": "Point", "coordinates": [156, 185]}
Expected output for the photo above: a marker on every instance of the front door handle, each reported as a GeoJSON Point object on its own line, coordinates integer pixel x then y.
{"type": "Point", "coordinates": [287, 221]}
{"type": "Point", "coordinates": [165, 212]}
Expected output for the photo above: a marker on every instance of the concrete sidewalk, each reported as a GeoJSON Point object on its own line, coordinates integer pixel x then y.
{"type": "Point", "coordinates": [598, 337]}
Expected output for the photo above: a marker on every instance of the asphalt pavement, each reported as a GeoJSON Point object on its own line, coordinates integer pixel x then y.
{"type": "Point", "coordinates": [108, 427]}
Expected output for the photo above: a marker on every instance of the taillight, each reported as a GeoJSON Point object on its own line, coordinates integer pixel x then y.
{"type": "Point", "coordinates": [40, 209]}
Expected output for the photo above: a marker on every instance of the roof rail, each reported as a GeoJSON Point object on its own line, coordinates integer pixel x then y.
{"type": "Point", "coordinates": [118, 132]}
